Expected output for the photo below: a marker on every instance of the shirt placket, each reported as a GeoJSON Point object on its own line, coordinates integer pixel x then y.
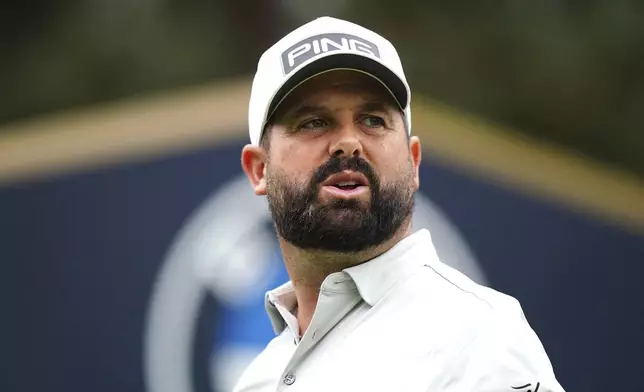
{"type": "Point", "coordinates": [336, 299]}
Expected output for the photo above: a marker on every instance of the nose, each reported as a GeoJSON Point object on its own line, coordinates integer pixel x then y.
{"type": "Point", "coordinates": [346, 142]}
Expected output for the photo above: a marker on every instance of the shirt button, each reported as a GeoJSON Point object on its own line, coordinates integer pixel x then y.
{"type": "Point", "coordinates": [289, 379]}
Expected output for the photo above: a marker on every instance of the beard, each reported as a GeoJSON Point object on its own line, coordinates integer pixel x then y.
{"type": "Point", "coordinates": [338, 225]}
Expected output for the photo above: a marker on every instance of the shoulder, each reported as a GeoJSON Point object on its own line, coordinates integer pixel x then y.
{"type": "Point", "coordinates": [437, 279]}
{"type": "Point", "coordinates": [505, 353]}
{"type": "Point", "coordinates": [500, 349]}
{"type": "Point", "coordinates": [446, 287]}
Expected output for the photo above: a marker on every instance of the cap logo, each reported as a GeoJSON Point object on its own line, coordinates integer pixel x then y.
{"type": "Point", "coordinates": [317, 45]}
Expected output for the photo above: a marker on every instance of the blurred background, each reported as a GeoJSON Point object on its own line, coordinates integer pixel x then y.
{"type": "Point", "coordinates": [134, 255]}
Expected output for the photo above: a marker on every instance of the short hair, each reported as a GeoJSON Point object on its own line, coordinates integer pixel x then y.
{"type": "Point", "coordinates": [265, 140]}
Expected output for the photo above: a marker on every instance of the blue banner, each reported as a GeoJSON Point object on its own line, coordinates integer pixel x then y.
{"type": "Point", "coordinates": [150, 276]}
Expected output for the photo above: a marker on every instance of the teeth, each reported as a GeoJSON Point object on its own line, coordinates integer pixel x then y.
{"type": "Point", "coordinates": [347, 183]}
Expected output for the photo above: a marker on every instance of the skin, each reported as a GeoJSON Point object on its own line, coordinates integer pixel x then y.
{"type": "Point", "coordinates": [338, 113]}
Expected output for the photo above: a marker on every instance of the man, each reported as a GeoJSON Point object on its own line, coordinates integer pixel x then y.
{"type": "Point", "coordinates": [369, 307]}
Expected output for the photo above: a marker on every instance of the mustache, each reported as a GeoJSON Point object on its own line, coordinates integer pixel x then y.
{"type": "Point", "coordinates": [339, 164]}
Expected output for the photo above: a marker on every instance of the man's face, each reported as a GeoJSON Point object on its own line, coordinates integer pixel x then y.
{"type": "Point", "coordinates": [339, 172]}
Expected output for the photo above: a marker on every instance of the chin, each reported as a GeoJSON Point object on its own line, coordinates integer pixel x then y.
{"type": "Point", "coordinates": [347, 219]}
{"type": "Point", "coordinates": [359, 206]}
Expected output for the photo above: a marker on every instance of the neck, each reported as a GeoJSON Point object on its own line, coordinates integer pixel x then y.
{"type": "Point", "coordinates": [307, 270]}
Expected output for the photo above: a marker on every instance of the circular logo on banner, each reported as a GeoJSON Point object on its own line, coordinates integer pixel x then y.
{"type": "Point", "coordinates": [228, 249]}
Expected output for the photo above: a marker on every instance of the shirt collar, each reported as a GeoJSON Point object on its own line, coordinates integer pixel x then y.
{"type": "Point", "coordinates": [373, 278]}
{"type": "Point", "coordinates": [285, 296]}
{"type": "Point", "coordinates": [376, 277]}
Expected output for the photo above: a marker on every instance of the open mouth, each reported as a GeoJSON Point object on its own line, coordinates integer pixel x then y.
{"type": "Point", "coordinates": [347, 185]}
{"type": "Point", "coordinates": [346, 180]}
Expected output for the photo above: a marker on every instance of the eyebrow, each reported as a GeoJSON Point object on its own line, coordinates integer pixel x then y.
{"type": "Point", "coordinates": [369, 106]}
{"type": "Point", "coordinates": [376, 106]}
{"type": "Point", "coordinates": [306, 110]}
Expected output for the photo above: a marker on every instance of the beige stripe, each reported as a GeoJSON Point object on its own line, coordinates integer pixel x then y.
{"type": "Point", "coordinates": [124, 131]}
{"type": "Point", "coordinates": [207, 115]}
{"type": "Point", "coordinates": [521, 162]}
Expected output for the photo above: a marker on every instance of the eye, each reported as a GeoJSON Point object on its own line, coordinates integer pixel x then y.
{"type": "Point", "coordinates": [313, 124]}
{"type": "Point", "coordinates": [373, 121]}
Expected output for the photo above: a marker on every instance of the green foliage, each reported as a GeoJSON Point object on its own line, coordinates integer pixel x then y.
{"type": "Point", "coordinates": [565, 71]}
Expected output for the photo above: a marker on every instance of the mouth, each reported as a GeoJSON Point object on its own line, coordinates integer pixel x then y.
{"type": "Point", "coordinates": [346, 185]}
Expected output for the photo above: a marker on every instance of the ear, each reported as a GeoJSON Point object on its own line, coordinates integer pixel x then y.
{"type": "Point", "coordinates": [253, 161]}
{"type": "Point", "coordinates": [416, 152]}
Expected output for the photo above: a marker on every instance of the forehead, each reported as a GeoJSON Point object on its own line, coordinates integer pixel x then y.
{"type": "Point", "coordinates": [323, 88]}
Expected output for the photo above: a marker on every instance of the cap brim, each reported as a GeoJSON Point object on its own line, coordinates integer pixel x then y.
{"type": "Point", "coordinates": [384, 75]}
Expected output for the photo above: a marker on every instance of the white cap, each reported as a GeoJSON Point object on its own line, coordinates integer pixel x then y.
{"type": "Point", "coordinates": [319, 46]}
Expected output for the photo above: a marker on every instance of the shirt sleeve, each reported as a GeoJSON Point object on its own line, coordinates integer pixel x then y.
{"type": "Point", "coordinates": [505, 355]}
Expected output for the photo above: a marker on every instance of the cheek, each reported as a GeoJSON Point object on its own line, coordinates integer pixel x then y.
{"type": "Point", "coordinates": [291, 170]}
{"type": "Point", "coordinates": [297, 160]}
{"type": "Point", "coordinates": [393, 164]}
{"type": "Point", "coordinates": [395, 172]}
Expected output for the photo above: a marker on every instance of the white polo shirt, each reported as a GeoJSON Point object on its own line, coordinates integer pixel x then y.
{"type": "Point", "coordinates": [403, 321]}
